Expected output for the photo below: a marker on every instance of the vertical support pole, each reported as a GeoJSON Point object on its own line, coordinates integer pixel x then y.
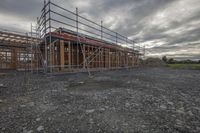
{"type": "Point", "coordinates": [45, 32]}
{"type": "Point", "coordinates": [99, 55]}
{"type": "Point", "coordinates": [116, 37]}
{"type": "Point", "coordinates": [133, 60]}
{"type": "Point", "coordinates": [14, 58]}
{"type": "Point", "coordinates": [69, 55]}
{"type": "Point", "coordinates": [36, 45]}
{"type": "Point", "coordinates": [116, 64]}
{"type": "Point", "coordinates": [101, 30]}
{"type": "Point", "coordinates": [126, 53]}
{"type": "Point", "coordinates": [62, 54]}
{"type": "Point", "coordinates": [72, 55]}
{"type": "Point", "coordinates": [109, 61]}
{"type": "Point", "coordinates": [77, 43]}
{"type": "Point", "coordinates": [31, 49]}
{"type": "Point", "coordinates": [144, 52]}
{"type": "Point", "coordinates": [84, 56]}
{"type": "Point", "coordinates": [50, 47]}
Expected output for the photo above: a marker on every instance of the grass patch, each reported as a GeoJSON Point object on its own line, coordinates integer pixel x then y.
{"type": "Point", "coordinates": [179, 66]}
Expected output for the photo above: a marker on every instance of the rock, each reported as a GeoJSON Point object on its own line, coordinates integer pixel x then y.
{"type": "Point", "coordinates": [1, 101]}
{"type": "Point", "coordinates": [128, 82]}
{"type": "Point", "coordinates": [66, 100]}
{"type": "Point", "coordinates": [125, 124]}
{"type": "Point", "coordinates": [106, 107]}
{"type": "Point", "coordinates": [2, 86]}
{"type": "Point", "coordinates": [190, 113]}
{"type": "Point", "coordinates": [179, 123]}
{"type": "Point", "coordinates": [181, 110]}
{"type": "Point", "coordinates": [31, 104]}
{"type": "Point", "coordinates": [30, 131]}
{"type": "Point", "coordinates": [102, 109]}
{"type": "Point", "coordinates": [22, 106]}
{"type": "Point", "coordinates": [127, 104]}
{"type": "Point", "coordinates": [69, 112]}
{"type": "Point", "coordinates": [81, 82]}
{"type": "Point", "coordinates": [90, 111]}
{"type": "Point", "coordinates": [170, 103]}
{"type": "Point", "coordinates": [196, 108]}
{"type": "Point", "coordinates": [40, 128]}
{"type": "Point", "coordinates": [91, 121]}
{"type": "Point", "coordinates": [163, 107]}
{"type": "Point", "coordinates": [49, 118]}
{"type": "Point", "coordinates": [38, 119]}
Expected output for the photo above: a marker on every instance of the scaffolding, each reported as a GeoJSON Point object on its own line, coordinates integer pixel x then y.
{"type": "Point", "coordinates": [65, 41]}
{"type": "Point", "coordinates": [72, 42]}
{"type": "Point", "coordinates": [18, 51]}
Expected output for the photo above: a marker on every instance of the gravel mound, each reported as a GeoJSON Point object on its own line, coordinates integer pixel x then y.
{"type": "Point", "coordinates": [153, 62]}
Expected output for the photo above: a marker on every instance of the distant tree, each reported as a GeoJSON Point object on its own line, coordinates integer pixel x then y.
{"type": "Point", "coordinates": [199, 61]}
{"type": "Point", "coordinates": [171, 61]}
{"type": "Point", "coordinates": [164, 58]}
{"type": "Point", "coordinates": [141, 61]}
{"type": "Point", "coordinates": [188, 61]}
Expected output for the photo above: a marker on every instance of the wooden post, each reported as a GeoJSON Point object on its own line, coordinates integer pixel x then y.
{"type": "Point", "coordinates": [14, 58]}
{"type": "Point", "coordinates": [84, 53]}
{"type": "Point", "coordinates": [109, 61]}
{"type": "Point", "coordinates": [69, 55]}
{"type": "Point", "coordinates": [62, 54]}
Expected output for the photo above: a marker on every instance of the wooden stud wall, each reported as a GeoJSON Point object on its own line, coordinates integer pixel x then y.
{"type": "Point", "coordinates": [69, 57]}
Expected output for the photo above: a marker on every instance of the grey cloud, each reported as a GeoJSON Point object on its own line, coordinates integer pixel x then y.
{"type": "Point", "coordinates": [134, 20]}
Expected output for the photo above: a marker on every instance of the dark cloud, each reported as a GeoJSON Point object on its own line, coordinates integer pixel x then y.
{"type": "Point", "coordinates": [166, 27]}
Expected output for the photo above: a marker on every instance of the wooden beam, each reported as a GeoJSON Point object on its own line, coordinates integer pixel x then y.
{"type": "Point", "coordinates": [62, 53]}
{"type": "Point", "coordinates": [69, 55]}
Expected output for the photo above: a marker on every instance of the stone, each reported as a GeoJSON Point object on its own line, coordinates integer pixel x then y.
{"type": "Point", "coordinates": [127, 104]}
{"type": "Point", "coordinates": [179, 123]}
{"type": "Point", "coordinates": [22, 106]}
{"type": "Point", "coordinates": [102, 109]}
{"type": "Point", "coordinates": [2, 86]}
{"type": "Point", "coordinates": [90, 111]}
{"type": "Point", "coordinates": [170, 103]}
{"type": "Point", "coordinates": [40, 128]}
{"type": "Point", "coordinates": [81, 82]}
{"type": "Point", "coordinates": [30, 131]}
{"type": "Point", "coordinates": [31, 104]}
{"type": "Point", "coordinates": [128, 82]}
{"type": "Point", "coordinates": [38, 119]}
{"type": "Point", "coordinates": [163, 107]}
{"type": "Point", "coordinates": [190, 113]}
{"type": "Point", "coordinates": [49, 118]}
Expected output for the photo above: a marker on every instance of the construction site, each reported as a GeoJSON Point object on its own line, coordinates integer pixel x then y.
{"type": "Point", "coordinates": [67, 42]}
{"type": "Point", "coordinates": [71, 74]}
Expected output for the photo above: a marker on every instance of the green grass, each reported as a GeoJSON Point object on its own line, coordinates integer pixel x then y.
{"type": "Point", "coordinates": [179, 66]}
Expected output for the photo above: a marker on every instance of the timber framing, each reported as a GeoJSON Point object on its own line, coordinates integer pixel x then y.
{"type": "Point", "coordinates": [67, 42]}
{"type": "Point", "coordinates": [17, 51]}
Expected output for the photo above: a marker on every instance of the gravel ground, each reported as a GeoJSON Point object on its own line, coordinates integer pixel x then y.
{"type": "Point", "coordinates": [141, 100]}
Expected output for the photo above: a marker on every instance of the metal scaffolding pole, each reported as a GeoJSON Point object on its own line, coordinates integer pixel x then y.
{"type": "Point", "coordinates": [45, 37]}
{"type": "Point", "coordinates": [77, 43]}
{"type": "Point", "coordinates": [50, 46]}
{"type": "Point", "coordinates": [101, 30]}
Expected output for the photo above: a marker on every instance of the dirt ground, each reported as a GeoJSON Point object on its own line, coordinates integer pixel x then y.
{"type": "Point", "coordinates": [141, 100]}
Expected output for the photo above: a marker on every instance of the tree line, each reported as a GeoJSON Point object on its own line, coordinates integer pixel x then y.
{"type": "Point", "coordinates": [173, 61]}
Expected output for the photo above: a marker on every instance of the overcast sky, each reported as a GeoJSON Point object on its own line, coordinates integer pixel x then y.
{"type": "Point", "coordinates": [165, 27]}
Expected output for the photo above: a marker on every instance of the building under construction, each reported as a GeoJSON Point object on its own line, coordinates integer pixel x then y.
{"type": "Point", "coordinates": [65, 41]}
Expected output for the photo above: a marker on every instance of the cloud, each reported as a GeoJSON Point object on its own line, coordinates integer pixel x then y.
{"type": "Point", "coordinates": [166, 27]}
